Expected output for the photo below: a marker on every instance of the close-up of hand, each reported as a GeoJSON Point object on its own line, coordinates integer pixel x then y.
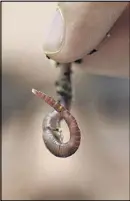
{"type": "Point", "coordinates": [98, 32]}
{"type": "Point", "coordinates": [77, 55]}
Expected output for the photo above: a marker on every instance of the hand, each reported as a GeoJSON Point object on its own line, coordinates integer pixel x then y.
{"type": "Point", "coordinates": [81, 27]}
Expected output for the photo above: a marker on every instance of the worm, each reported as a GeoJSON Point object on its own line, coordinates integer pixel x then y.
{"type": "Point", "coordinates": [56, 146]}
{"type": "Point", "coordinates": [52, 135]}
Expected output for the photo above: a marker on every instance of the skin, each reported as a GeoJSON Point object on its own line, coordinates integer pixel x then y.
{"type": "Point", "coordinates": [97, 19]}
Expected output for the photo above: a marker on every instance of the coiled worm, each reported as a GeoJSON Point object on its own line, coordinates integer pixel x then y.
{"type": "Point", "coordinates": [52, 136]}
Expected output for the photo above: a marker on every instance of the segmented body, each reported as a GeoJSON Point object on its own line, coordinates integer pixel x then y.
{"type": "Point", "coordinates": [51, 125]}
{"type": "Point", "coordinates": [57, 147]}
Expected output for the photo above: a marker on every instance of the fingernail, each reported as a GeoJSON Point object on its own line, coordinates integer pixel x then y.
{"type": "Point", "coordinates": [54, 39]}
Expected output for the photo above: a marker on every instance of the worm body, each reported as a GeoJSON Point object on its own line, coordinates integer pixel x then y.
{"type": "Point", "coordinates": [52, 135]}
{"type": "Point", "coordinates": [53, 143]}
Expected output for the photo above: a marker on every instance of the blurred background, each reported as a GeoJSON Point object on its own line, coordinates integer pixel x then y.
{"type": "Point", "coordinates": [100, 168]}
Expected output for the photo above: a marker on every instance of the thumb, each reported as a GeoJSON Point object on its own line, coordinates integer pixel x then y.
{"type": "Point", "coordinates": [79, 27]}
